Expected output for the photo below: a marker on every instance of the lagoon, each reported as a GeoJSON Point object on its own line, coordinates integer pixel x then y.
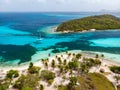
{"type": "Point", "coordinates": [107, 41]}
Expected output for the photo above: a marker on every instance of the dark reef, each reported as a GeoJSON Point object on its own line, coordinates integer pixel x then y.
{"type": "Point", "coordinates": [12, 52]}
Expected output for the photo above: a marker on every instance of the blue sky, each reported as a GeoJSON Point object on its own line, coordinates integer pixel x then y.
{"type": "Point", "coordinates": [58, 5]}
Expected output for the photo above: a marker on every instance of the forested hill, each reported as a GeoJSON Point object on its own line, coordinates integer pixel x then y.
{"type": "Point", "coordinates": [100, 22]}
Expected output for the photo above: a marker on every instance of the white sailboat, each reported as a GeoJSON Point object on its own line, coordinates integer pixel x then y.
{"type": "Point", "coordinates": [39, 36]}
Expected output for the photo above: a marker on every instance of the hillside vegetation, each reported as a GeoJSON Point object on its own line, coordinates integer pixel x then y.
{"type": "Point", "coordinates": [92, 81]}
{"type": "Point", "coordinates": [100, 22]}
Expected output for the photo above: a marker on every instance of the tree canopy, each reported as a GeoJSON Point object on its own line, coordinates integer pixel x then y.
{"type": "Point", "coordinates": [100, 22]}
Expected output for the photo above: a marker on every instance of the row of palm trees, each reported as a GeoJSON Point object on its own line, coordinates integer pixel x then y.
{"type": "Point", "coordinates": [74, 64]}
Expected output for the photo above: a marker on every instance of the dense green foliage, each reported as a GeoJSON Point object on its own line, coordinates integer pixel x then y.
{"type": "Point", "coordinates": [41, 87]}
{"type": "Point", "coordinates": [12, 74]}
{"type": "Point", "coordinates": [33, 69]}
{"type": "Point", "coordinates": [115, 69]}
{"type": "Point", "coordinates": [91, 62]}
{"type": "Point", "coordinates": [72, 83]}
{"type": "Point", "coordinates": [4, 84]}
{"type": "Point", "coordinates": [73, 64]}
{"type": "Point", "coordinates": [88, 63]}
{"type": "Point", "coordinates": [100, 22]}
{"type": "Point", "coordinates": [26, 88]}
{"type": "Point", "coordinates": [28, 81]}
{"type": "Point", "coordinates": [47, 75]}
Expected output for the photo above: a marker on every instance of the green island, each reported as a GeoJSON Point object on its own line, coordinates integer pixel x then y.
{"type": "Point", "coordinates": [100, 22]}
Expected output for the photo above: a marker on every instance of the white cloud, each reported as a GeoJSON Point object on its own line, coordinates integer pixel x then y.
{"type": "Point", "coordinates": [7, 1]}
{"type": "Point", "coordinates": [41, 1]}
{"type": "Point", "coordinates": [58, 5]}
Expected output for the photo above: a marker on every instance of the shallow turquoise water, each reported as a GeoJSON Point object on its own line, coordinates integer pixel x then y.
{"type": "Point", "coordinates": [106, 42]}
{"type": "Point", "coordinates": [13, 47]}
{"type": "Point", "coordinates": [6, 30]}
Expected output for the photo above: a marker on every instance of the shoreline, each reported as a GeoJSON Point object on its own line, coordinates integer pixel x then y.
{"type": "Point", "coordinates": [88, 54]}
{"type": "Point", "coordinates": [52, 30]}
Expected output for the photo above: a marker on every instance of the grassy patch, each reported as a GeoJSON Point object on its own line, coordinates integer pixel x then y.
{"type": "Point", "coordinates": [92, 81]}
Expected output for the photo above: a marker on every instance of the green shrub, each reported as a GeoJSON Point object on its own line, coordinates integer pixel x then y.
{"type": "Point", "coordinates": [78, 56]}
{"type": "Point", "coordinates": [73, 65]}
{"type": "Point", "coordinates": [47, 75]}
{"type": "Point", "coordinates": [12, 74]}
{"type": "Point", "coordinates": [64, 77]}
{"type": "Point", "coordinates": [41, 87]}
{"type": "Point", "coordinates": [34, 70]}
{"type": "Point", "coordinates": [115, 69]}
{"type": "Point", "coordinates": [50, 81]}
{"type": "Point", "coordinates": [4, 84]}
{"type": "Point", "coordinates": [26, 88]}
{"type": "Point", "coordinates": [20, 82]}
{"type": "Point", "coordinates": [30, 80]}
{"type": "Point", "coordinates": [3, 87]}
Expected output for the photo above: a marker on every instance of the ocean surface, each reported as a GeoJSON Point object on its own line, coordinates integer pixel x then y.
{"type": "Point", "coordinates": [20, 33]}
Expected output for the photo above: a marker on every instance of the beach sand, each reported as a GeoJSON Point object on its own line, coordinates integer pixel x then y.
{"type": "Point", "coordinates": [58, 80]}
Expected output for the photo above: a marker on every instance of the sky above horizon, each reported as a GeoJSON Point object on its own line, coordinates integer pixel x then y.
{"type": "Point", "coordinates": [58, 5]}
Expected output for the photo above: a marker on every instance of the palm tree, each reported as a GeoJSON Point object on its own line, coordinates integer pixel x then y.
{"type": "Point", "coordinates": [53, 64]}
{"type": "Point", "coordinates": [98, 63]}
{"type": "Point", "coordinates": [46, 64]}
{"type": "Point", "coordinates": [66, 68]}
{"type": "Point", "coordinates": [61, 69]}
{"type": "Point", "coordinates": [96, 56]}
{"type": "Point", "coordinates": [47, 60]}
{"type": "Point", "coordinates": [84, 68]}
{"type": "Point", "coordinates": [102, 55]}
{"type": "Point", "coordinates": [43, 61]}
{"type": "Point", "coordinates": [73, 82]}
{"type": "Point", "coordinates": [69, 54]}
{"type": "Point", "coordinates": [117, 78]}
{"type": "Point", "coordinates": [30, 65]}
{"type": "Point", "coordinates": [78, 56]}
{"type": "Point", "coordinates": [71, 72]}
{"type": "Point", "coordinates": [66, 52]}
{"type": "Point", "coordinates": [73, 54]}
{"type": "Point", "coordinates": [41, 87]}
{"type": "Point", "coordinates": [65, 62]}
{"type": "Point", "coordinates": [59, 60]}
{"type": "Point", "coordinates": [56, 56]}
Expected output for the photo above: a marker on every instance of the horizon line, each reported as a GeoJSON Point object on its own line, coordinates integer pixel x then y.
{"type": "Point", "coordinates": [58, 11]}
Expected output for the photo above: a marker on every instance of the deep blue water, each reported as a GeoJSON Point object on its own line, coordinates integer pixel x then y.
{"type": "Point", "coordinates": [19, 34]}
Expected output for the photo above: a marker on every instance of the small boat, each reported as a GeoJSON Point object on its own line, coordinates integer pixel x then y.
{"type": "Point", "coordinates": [39, 36]}
{"type": "Point", "coordinates": [39, 39]}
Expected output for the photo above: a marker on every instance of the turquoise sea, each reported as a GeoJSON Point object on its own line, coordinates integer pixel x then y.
{"type": "Point", "coordinates": [19, 33]}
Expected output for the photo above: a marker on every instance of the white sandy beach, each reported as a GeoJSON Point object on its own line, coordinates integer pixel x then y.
{"type": "Point", "coordinates": [58, 80]}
